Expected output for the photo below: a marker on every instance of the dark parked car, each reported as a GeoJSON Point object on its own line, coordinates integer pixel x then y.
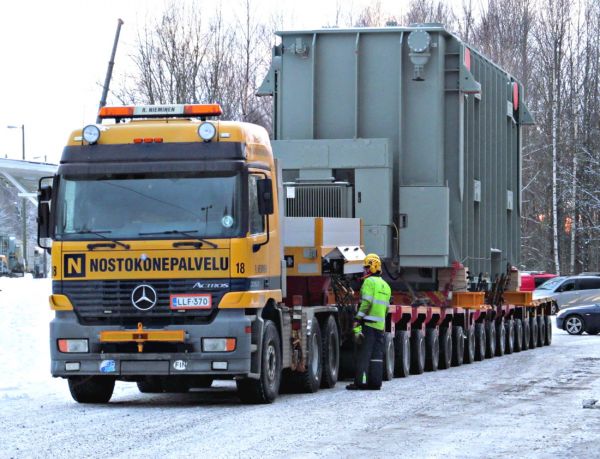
{"type": "Point", "coordinates": [578, 319]}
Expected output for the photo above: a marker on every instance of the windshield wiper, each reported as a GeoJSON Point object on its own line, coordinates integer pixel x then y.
{"type": "Point", "coordinates": [187, 233]}
{"type": "Point", "coordinates": [100, 234]}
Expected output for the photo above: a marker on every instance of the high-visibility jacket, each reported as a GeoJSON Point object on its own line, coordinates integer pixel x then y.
{"type": "Point", "coordinates": [375, 296]}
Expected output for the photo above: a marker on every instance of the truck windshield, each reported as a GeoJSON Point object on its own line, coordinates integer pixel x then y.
{"type": "Point", "coordinates": [124, 205]}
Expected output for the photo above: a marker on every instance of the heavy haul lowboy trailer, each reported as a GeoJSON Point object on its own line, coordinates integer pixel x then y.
{"type": "Point", "coordinates": [184, 252]}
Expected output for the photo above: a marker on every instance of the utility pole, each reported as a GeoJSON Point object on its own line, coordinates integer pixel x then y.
{"type": "Point", "coordinates": [109, 70]}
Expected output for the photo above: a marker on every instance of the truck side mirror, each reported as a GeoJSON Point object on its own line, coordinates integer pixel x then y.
{"type": "Point", "coordinates": [265, 196]}
{"type": "Point", "coordinates": [43, 218]}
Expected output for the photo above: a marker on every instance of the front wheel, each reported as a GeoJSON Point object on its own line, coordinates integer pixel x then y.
{"type": "Point", "coordinates": [91, 389]}
{"type": "Point", "coordinates": [574, 325]}
{"type": "Point", "coordinates": [266, 387]}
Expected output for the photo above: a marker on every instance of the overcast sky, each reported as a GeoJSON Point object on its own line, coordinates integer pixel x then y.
{"type": "Point", "coordinates": [54, 56]}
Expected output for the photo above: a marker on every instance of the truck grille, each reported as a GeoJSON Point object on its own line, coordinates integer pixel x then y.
{"type": "Point", "coordinates": [108, 302]}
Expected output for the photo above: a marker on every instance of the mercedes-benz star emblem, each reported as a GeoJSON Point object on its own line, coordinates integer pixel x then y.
{"type": "Point", "coordinates": [144, 297]}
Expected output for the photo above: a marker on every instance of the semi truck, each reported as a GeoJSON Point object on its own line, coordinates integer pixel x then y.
{"type": "Point", "coordinates": [187, 249]}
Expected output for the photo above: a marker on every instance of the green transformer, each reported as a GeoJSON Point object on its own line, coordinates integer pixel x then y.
{"type": "Point", "coordinates": [417, 127]}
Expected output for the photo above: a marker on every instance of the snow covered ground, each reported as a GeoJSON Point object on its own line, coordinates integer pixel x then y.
{"type": "Point", "coordinates": [523, 405]}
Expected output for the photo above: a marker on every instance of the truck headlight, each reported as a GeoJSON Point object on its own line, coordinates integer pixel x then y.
{"type": "Point", "coordinates": [218, 344]}
{"type": "Point", "coordinates": [73, 345]}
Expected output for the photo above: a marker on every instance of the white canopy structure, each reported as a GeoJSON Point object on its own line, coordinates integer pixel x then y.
{"type": "Point", "coordinates": [24, 175]}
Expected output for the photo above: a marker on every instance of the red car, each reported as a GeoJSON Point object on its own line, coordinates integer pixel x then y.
{"type": "Point", "coordinates": [533, 279]}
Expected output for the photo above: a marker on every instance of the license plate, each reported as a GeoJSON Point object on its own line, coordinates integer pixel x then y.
{"type": "Point", "coordinates": [192, 301]}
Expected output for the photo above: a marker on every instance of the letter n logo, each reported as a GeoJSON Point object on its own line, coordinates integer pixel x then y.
{"type": "Point", "coordinates": [74, 265]}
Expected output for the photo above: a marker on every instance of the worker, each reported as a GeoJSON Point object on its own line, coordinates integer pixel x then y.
{"type": "Point", "coordinates": [369, 324]}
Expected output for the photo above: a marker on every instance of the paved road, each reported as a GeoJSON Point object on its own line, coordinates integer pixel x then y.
{"type": "Point", "coordinates": [522, 405]}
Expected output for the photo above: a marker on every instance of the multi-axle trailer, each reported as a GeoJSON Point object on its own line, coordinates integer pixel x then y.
{"type": "Point", "coordinates": [185, 249]}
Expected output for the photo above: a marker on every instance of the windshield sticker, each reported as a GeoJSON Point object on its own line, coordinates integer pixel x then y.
{"type": "Point", "coordinates": [227, 221]}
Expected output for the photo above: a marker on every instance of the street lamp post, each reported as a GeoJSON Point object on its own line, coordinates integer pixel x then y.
{"type": "Point", "coordinates": [24, 200]}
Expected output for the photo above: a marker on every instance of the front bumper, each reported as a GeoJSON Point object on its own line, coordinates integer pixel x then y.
{"type": "Point", "coordinates": [230, 323]}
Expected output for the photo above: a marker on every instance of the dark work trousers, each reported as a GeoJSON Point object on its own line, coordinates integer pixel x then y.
{"type": "Point", "coordinates": [369, 365]}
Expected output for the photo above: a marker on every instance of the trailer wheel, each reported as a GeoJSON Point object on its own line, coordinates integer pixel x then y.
{"type": "Point", "coordinates": [509, 326]}
{"type": "Point", "coordinates": [548, 341]}
{"type": "Point", "coordinates": [388, 358]}
{"type": "Point", "coordinates": [518, 346]}
{"type": "Point", "coordinates": [402, 354]}
{"type": "Point", "coordinates": [417, 346]}
{"type": "Point", "coordinates": [91, 389]}
{"type": "Point", "coordinates": [541, 331]}
{"type": "Point", "coordinates": [533, 332]}
{"type": "Point", "coordinates": [445, 348]}
{"type": "Point", "coordinates": [266, 388]}
{"type": "Point", "coordinates": [526, 334]}
{"type": "Point", "coordinates": [150, 385]}
{"type": "Point", "coordinates": [432, 358]}
{"type": "Point", "coordinates": [480, 342]}
{"type": "Point", "coordinates": [500, 338]}
{"type": "Point", "coordinates": [470, 345]}
{"type": "Point", "coordinates": [458, 346]}
{"type": "Point", "coordinates": [331, 353]}
{"type": "Point", "coordinates": [490, 337]}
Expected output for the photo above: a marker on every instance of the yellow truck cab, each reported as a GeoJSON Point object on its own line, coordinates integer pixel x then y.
{"type": "Point", "coordinates": [165, 243]}
{"type": "Point", "coordinates": [168, 261]}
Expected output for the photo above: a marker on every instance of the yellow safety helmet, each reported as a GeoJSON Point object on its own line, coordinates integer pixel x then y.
{"type": "Point", "coordinates": [373, 263]}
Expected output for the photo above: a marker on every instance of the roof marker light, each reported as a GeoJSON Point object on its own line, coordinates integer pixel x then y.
{"type": "Point", "coordinates": [91, 134]}
{"type": "Point", "coordinates": [161, 111]}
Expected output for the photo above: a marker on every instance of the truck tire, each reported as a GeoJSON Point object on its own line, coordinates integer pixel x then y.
{"type": "Point", "coordinates": [500, 338]}
{"type": "Point", "coordinates": [388, 358]}
{"type": "Point", "coordinates": [266, 387]}
{"type": "Point", "coordinates": [509, 327]}
{"type": "Point", "coordinates": [432, 344]}
{"type": "Point", "coordinates": [91, 389]}
{"type": "Point", "coordinates": [331, 353]}
{"type": "Point", "coordinates": [490, 336]}
{"type": "Point", "coordinates": [480, 342]}
{"type": "Point", "coordinates": [402, 354]}
{"type": "Point", "coordinates": [518, 345]}
{"type": "Point", "coordinates": [548, 341]}
{"type": "Point", "coordinates": [458, 346]}
{"type": "Point", "coordinates": [151, 385]}
{"type": "Point", "coordinates": [526, 334]}
{"type": "Point", "coordinates": [417, 358]}
{"type": "Point", "coordinates": [445, 348]}
{"type": "Point", "coordinates": [541, 331]}
{"type": "Point", "coordinates": [310, 380]}
{"type": "Point", "coordinates": [533, 333]}
{"type": "Point", "coordinates": [470, 345]}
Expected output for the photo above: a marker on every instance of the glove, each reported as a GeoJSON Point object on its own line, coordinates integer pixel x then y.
{"type": "Point", "coordinates": [358, 334]}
